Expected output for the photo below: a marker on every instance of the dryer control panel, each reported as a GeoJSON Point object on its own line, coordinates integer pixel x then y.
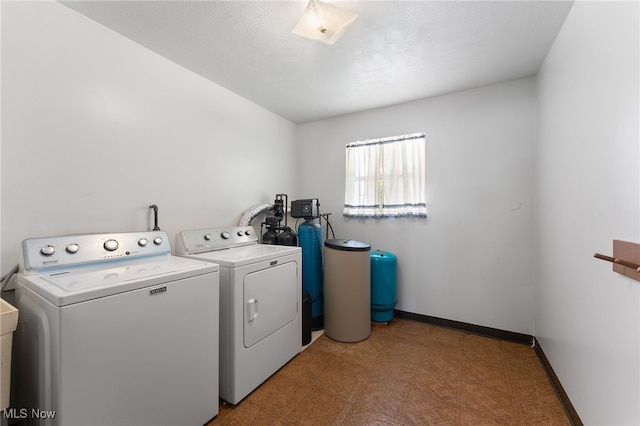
{"type": "Point", "coordinates": [209, 239]}
{"type": "Point", "coordinates": [47, 253]}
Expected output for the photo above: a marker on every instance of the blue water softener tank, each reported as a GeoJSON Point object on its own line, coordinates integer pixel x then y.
{"type": "Point", "coordinates": [384, 285]}
{"type": "Point", "coordinates": [310, 240]}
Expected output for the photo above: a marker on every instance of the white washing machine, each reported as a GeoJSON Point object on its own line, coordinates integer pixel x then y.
{"type": "Point", "coordinates": [114, 330]}
{"type": "Point", "coordinates": [260, 303]}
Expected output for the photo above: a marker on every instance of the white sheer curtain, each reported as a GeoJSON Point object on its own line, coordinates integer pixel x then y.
{"type": "Point", "coordinates": [385, 177]}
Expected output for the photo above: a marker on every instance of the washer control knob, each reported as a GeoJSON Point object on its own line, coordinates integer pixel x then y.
{"type": "Point", "coordinates": [207, 237]}
{"type": "Point", "coordinates": [247, 232]}
{"type": "Point", "coordinates": [73, 248]}
{"type": "Point", "coordinates": [240, 233]}
{"type": "Point", "coordinates": [225, 235]}
{"type": "Point", "coordinates": [110, 245]}
{"type": "Point", "coordinates": [142, 242]}
{"type": "Point", "coordinates": [157, 241]}
{"type": "Point", "coordinates": [48, 250]}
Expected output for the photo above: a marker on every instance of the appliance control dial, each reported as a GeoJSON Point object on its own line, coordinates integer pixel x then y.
{"type": "Point", "coordinates": [247, 232]}
{"type": "Point", "coordinates": [225, 235]}
{"type": "Point", "coordinates": [142, 242]}
{"type": "Point", "coordinates": [240, 233]}
{"type": "Point", "coordinates": [111, 245]}
{"type": "Point", "coordinates": [157, 241]}
{"type": "Point", "coordinates": [48, 250]}
{"type": "Point", "coordinates": [207, 237]}
{"type": "Point", "coordinates": [73, 248]}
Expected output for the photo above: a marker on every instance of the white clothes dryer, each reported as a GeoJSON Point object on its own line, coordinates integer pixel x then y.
{"type": "Point", "coordinates": [113, 329]}
{"type": "Point", "coordinates": [260, 303]}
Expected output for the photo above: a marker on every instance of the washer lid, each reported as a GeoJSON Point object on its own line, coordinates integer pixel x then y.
{"type": "Point", "coordinates": [78, 285]}
{"type": "Point", "coordinates": [347, 245]}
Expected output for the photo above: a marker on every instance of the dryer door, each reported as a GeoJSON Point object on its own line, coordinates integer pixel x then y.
{"type": "Point", "coordinates": [270, 301]}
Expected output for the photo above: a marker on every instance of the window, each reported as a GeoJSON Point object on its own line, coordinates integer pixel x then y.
{"type": "Point", "coordinates": [385, 177]}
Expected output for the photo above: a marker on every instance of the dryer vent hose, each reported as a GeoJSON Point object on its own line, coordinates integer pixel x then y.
{"type": "Point", "coordinates": [254, 211]}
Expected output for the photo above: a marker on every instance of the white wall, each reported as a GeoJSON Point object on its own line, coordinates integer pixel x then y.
{"type": "Point", "coordinates": [588, 186]}
{"type": "Point", "coordinates": [471, 259]}
{"type": "Point", "coordinates": [95, 128]}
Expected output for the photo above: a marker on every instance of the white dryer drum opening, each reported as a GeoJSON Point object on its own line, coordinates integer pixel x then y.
{"type": "Point", "coordinates": [270, 301]}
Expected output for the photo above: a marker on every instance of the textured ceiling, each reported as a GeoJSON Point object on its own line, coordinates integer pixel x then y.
{"type": "Point", "coordinates": [394, 52]}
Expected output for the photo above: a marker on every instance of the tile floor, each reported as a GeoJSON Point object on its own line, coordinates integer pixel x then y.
{"type": "Point", "coordinates": [406, 373]}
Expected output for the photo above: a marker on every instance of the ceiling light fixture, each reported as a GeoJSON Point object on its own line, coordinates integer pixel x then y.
{"type": "Point", "coordinates": [324, 22]}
